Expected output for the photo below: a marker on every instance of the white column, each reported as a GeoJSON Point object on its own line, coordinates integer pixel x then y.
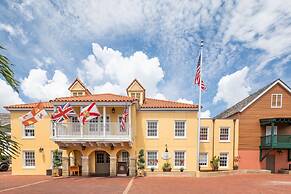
{"type": "Point", "coordinates": [104, 120]}
{"type": "Point", "coordinates": [81, 124]}
{"type": "Point", "coordinates": [129, 122]}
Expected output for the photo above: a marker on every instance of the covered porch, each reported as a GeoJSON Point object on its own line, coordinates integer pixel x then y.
{"type": "Point", "coordinates": [275, 144]}
{"type": "Point", "coordinates": [98, 159]}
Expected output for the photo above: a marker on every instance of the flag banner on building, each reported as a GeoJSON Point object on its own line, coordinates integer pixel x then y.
{"type": "Point", "coordinates": [35, 115]}
{"type": "Point", "coordinates": [62, 112]}
{"type": "Point", "coordinates": [123, 119]}
{"type": "Point", "coordinates": [88, 113]}
{"type": "Point", "coordinates": [198, 76]}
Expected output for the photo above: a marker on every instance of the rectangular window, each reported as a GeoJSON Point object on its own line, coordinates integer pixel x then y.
{"type": "Point", "coordinates": [203, 159]}
{"type": "Point", "coordinates": [29, 158]}
{"type": "Point", "coordinates": [29, 131]}
{"type": "Point", "coordinates": [180, 128]}
{"type": "Point", "coordinates": [93, 125]}
{"type": "Point", "coordinates": [137, 96]}
{"type": "Point", "coordinates": [289, 156]}
{"type": "Point", "coordinates": [107, 124]}
{"type": "Point", "coordinates": [204, 134]}
{"type": "Point", "coordinates": [276, 101]}
{"type": "Point", "coordinates": [179, 158]}
{"type": "Point", "coordinates": [223, 159]}
{"type": "Point", "coordinates": [152, 128]}
{"type": "Point", "coordinates": [224, 134]}
{"type": "Point", "coordinates": [152, 158]}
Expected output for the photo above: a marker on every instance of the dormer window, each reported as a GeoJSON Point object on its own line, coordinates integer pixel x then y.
{"type": "Point", "coordinates": [276, 101]}
{"type": "Point", "coordinates": [136, 91]}
{"type": "Point", "coordinates": [136, 95]}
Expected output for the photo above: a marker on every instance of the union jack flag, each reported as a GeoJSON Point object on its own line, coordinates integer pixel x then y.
{"type": "Point", "coordinates": [123, 119]}
{"type": "Point", "coordinates": [198, 76]}
{"type": "Point", "coordinates": [62, 113]}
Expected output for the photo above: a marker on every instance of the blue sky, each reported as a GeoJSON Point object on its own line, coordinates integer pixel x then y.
{"type": "Point", "coordinates": [108, 43]}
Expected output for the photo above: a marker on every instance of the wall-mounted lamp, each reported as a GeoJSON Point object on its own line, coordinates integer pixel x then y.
{"type": "Point", "coordinates": [113, 110]}
{"type": "Point", "coordinates": [40, 149]}
{"type": "Point", "coordinates": [112, 147]}
{"type": "Point", "coordinates": [83, 147]}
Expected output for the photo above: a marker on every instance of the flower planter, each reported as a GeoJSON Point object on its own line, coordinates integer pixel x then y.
{"type": "Point", "coordinates": [167, 169]}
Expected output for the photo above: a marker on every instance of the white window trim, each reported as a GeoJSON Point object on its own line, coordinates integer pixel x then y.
{"type": "Point", "coordinates": [23, 133]}
{"type": "Point", "coordinates": [150, 166]}
{"type": "Point", "coordinates": [185, 156]}
{"type": "Point", "coordinates": [205, 141]}
{"type": "Point", "coordinates": [281, 95]}
{"type": "Point", "coordinates": [206, 159]}
{"type": "Point", "coordinates": [227, 165]}
{"type": "Point", "coordinates": [185, 130]}
{"type": "Point", "coordinates": [23, 160]}
{"type": "Point", "coordinates": [228, 139]}
{"type": "Point", "coordinates": [152, 137]}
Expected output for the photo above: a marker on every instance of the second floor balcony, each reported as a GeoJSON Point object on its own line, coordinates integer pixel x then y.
{"type": "Point", "coordinates": [103, 132]}
{"type": "Point", "coordinates": [276, 141]}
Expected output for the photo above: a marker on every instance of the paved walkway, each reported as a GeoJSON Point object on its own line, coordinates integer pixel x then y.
{"type": "Point", "coordinates": [250, 183]}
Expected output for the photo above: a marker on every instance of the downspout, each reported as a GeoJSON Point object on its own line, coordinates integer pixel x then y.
{"type": "Point", "coordinates": [234, 137]}
{"type": "Point", "coordinates": [213, 140]}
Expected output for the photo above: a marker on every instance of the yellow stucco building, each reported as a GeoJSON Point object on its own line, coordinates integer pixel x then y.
{"type": "Point", "coordinates": [102, 148]}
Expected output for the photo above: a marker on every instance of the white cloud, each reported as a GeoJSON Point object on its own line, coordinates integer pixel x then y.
{"type": "Point", "coordinates": [233, 87]}
{"type": "Point", "coordinates": [160, 96]}
{"type": "Point", "coordinates": [38, 86]}
{"type": "Point", "coordinates": [183, 100]}
{"type": "Point", "coordinates": [8, 96]}
{"type": "Point", "coordinates": [107, 70]}
{"type": "Point", "coordinates": [44, 62]}
{"type": "Point", "coordinates": [206, 114]}
{"type": "Point", "coordinates": [14, 32]}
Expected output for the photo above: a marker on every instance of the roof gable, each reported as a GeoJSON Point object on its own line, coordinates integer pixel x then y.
{"type": "Point", "coordinates": [78, 85]}
{"type": "Point", "coordinates": [135, 86]}
{"type": "Point", "coordinates": [245, 103]}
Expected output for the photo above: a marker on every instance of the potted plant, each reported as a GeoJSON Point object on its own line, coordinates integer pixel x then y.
{"type": "Point", "coordinates": [140, 163]}
{"type": "Point", "coordinates": [56, 162]}
{"type": "Point", "coordinates": [167, 167]}
{"type": "Point", "coordinates": [215, 163]}
{"type": "Point", "coordinates": [181, 169]}
{"type": "Point", "coordinates": [236, 161]}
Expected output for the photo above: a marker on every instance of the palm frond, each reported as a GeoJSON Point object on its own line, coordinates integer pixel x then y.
{"type": "Point", "coordinates": [8, 147]}
{"type": "Point", "coordinates": [6, 71]}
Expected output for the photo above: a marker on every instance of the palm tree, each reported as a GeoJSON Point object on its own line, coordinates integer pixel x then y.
{"type": "Point", "coordinates": [8, 147]}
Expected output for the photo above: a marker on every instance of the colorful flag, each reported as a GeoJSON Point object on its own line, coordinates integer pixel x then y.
{"type": "Point", "coordinates": [89, 112]}
{"type": "Point", "coordinates": [198, 75]}
{"type": "Point", "coordinates": [123, 119]}
{"type": "Point", "coordinates": [62, 113]}
{"type": "Point", "coordinates": [36, 114]}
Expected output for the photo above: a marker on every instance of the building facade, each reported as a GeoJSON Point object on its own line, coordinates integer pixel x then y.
{"type": "Point", "coordinates": [264, 128]}
{"type": "Point", "coordinates": [101, 148]}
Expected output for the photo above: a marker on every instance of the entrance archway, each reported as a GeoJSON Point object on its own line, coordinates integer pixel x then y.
{"type": "Point", "coordinates": [102, 163]}
{"type": "Point", "coordinates": [122, 165]}
{"type": "Point", "coordinates": [75, 162]}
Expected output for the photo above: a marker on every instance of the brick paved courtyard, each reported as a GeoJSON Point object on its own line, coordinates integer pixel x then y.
{"type": "Point", "coordinates": [250, 183]}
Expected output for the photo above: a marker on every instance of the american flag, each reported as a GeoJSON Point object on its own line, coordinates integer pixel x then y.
{"type": "Point", "coordinates": [123, 119]}
{"type": "Point", "coordinates": [62, 113]}
{"type": "Point", "coordinates": [198, 76]}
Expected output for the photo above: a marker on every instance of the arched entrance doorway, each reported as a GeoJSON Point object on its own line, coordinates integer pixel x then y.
{"type": "Point", "coordinates": [122, 166]}
{"type": "Point", "coordinates": [102, 163]}
{"type": "Point", "coordinates": [75, 163]}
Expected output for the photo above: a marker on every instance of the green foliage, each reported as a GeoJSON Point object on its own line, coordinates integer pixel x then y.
{"type": "Point", "coordinates": [6, 71]}
{"type": "Point", "coordinates": [215, 162]}
{"type": "Point", "coordinates": [166, 166]}
{"type": "Point", "coordinates": [57, 161]}
{"type": "Point", "coordinates": [8, 147]}
{"type": "Point", "coordinates": [141, 160]}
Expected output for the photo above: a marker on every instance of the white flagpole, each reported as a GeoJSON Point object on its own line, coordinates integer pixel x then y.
{"type": "Point", "coordinates": [199, 107]}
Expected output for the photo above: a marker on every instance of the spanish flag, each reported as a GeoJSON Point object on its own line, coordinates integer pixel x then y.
{"type": "Point", "coordinates": [35, 115]}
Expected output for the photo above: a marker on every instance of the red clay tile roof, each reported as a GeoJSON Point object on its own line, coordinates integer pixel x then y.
{"type": "Point", "coordinates": [155, 103]}
{"type": "Point", "coordinates": [149, 103]}
{"type": "Point", "coordinates": [95, 98]}
{"type": "Point", "coordinates": [29, 105]}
